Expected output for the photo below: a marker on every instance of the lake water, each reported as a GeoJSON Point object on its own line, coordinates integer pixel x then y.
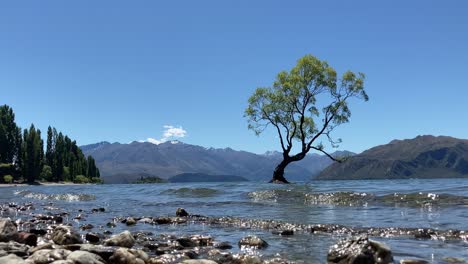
{"type": "Point", "coordinates": [440, 204]}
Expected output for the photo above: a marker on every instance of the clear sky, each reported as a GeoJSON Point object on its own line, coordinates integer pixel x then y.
{"type": "Point", "coordinates": [132, 70]}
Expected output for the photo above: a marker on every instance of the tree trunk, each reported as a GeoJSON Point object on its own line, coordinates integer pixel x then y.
{"type": "Point", "coordinates": [278, 174]}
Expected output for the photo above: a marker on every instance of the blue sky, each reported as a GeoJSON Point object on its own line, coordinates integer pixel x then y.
{"type": "Point", "coordinates": [122, 70]}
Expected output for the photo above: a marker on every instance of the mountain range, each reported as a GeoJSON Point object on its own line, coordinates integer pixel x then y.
{"type": "Point", "coordinates": [421, 157]}
{"type": "Point", "coordinates": [119, 162]}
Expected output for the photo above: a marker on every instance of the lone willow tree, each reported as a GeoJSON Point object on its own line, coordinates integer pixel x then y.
{"type": "Point", "coordinates": [304, 105]}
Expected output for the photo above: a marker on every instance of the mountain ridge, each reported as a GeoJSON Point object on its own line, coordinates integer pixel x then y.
{"type": "Point", "coordinates": [168, 159]}
{"type": "Point", "coordinates": [424, 156]}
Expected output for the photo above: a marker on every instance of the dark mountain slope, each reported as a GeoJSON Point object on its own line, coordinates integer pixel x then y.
{"type": "Point", "coordinates": [173, 158]}
{"type": "Point", "coordinates": [421, 157]}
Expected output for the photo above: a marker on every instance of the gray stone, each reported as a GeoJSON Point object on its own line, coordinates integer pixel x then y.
{"type": "Point", "coordinates": [199, 261]}
{"type": "Point", "coordinates": [8, 230]}
{"type": "Point", "coordinates": [359, 250]}
{"type": "Point", "coordinates": [85, 257]}
{"type": "Point", "coordinates": [186, 242]}
{"type": "Point", "coordinates": [247, 259]}
{"type": "Point", "coordinates": [103, 251]}
{"type": "Point", "coordinates": [62, 262]}
{"type": "Point", "coordinates": [130, 221]}
{"type": "Point", "coordinates": [413, 261]}
{"type": "Point", "coordinates": [253, 241]}
{"type": "Point", "coordinates": [13, 247]}
{"type": "Point", "coordinates": [65, 235]}
{"type": "Point", "coordinates": [180, 212]}
{"type": "Point", "coordinates": [45, 256]}
{"type": "Point", "coordinates": [124, 239]}
{"type": "Point", "coordinates": [223, 245]}
{"type": "Point", "coordinates": [129, 256]}
{"type": "Point", "coordinates": [11, 259]}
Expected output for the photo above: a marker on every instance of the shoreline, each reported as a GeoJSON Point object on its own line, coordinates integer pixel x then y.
{"type": "Point", "coordinates": [41, 184]}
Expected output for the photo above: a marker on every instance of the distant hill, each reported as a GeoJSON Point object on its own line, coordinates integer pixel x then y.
{"type": "Point", "coordinates": [128, 177]}
{"type": "Point", "coordinates": [200, 177]}
{"type": "Point", "coordinates": [173, 158]}
{"type": "Point", "coordinates": [421, 157]}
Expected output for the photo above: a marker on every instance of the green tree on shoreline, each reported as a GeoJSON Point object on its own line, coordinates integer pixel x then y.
{"type": "Point", "coordinates": [304, 105]}
{"type": "Point", "coordinates": [22, 154]}
{"type": "Point", "coordinates": [33, 154]}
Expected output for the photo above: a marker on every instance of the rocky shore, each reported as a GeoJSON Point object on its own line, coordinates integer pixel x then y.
{"type": "Point", "coordinates": [49, 238]}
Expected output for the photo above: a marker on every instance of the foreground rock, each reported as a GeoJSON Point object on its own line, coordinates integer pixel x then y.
{"type": "Point", "coordinates": [124, 239]}
{"type": "Point", "coordinates": [253, 241]}
{"type": "Point", "coordinates": [11, 259]}
{"type": "Point", "coordinates": [65, 235]}
{"type": "Point", "coordinates": [8, 230]}
{"type": "Point", "coordinates": [359, 250]}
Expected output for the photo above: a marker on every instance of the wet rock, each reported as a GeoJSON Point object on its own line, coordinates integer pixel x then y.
{"type": "Point", "coordinates": [453, 260]}
{"type": "Point", "coordinates": [199, 261]}
{"type": "Point", "coordinates": [220, 257]}
{"type": "Point", "coordinates": [65, 235]}
{"type": "Point", "coordinates": [100, 209]}
{"type": "Point", "coordinates": [247, 259]}
{"type": "Point", "coordinates": [102, 251]}
{"type": "Point", "coordinates": [92, 237]}
{"type": "Point", "coordinates": [56, 219]}
{"type": "Point", "coordinates": [413, 261]}
{"type": "Point", "coordinates": [39, 232]}
{"type": "Point", "coordinates": [130, 221]}
{"type": "Point", "coordinates": [253, 241]}
{"type": "Point", "coordinates": [146, 220]}
{"type": "Point", "coordinates": [359, 250]}
{"type": "Point", "coordinates": [424, 234]}
{"type": "Point", "coordinates": [163, 220]}
{"type": "Point", "coordinates": [27, 238]}
{"type": "Point", "coordinates": [11, 259]}
{"type": "Point", "coordinates": [283, 232]}
{"type": "Point", "coordinates": [129, 256]}
{"type": "Point", "coordinates": [45, 256]}
{"type": "Point", "coordinates": [276, 261]}
{"type": "Point", "coordinates": [84, 257]}
{"type": "Point", "coordinates": [180, 212]}
{"type": "Point", "coordinates": [202, 241]}
{"type": "Point", "coordinates": [186, 242]}
{"type": "Point", "coordinates": [124, 239]}
{"type": "Point", "coordinates": [111, 225]}
{"type": "Point", "coordinates": [13, 247]}
{"type": "Point", "coordinates": [86, 227]}
{"type": "Point", "coordinates": [8, 230]}
{"type": "Point", "coordinates": [41, 247]}
{"type": "Point", "coordinates": [223, 245]}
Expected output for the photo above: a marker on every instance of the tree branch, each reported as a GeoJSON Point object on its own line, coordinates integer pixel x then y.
{"type": "Point", "coordinates": [326, 153]}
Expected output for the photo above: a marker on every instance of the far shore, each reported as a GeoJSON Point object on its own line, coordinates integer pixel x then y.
{"type": "Point", "coordinates": [40, 184]}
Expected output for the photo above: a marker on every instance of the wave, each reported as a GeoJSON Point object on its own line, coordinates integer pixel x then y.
{"type": "Point", "coordinates": [417, 199]}
{"type": "Point", "coordinates": [192, 192]}
{"type": "Point", "coordinates": [60, 196]}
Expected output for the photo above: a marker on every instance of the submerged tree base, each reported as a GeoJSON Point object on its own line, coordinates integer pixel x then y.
{"type": "Point", "coordinates": [278, 181]}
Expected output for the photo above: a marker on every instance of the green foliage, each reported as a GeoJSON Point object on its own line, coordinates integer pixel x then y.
{"type": "Point", "coordinates": [305, 105]}
{"type": "Point", "coordinates": [66, 174]}
{"type": "Point", "coordinates": [8, 178]}
{"type": "Point", "coordinates": [33, 154]}
{"type": "Point", "coordinates": [10, 136]}
{"type": "Point", "coordinates": [66, 159]}
{"type": "Point", "coordinates": [46, 173]}
{"type": "Point", "coordinates": [25, 153]}
{"type": "Point", "coordinates": [81, 179]}
{"type": "Point", "coordinates": [96, 180]}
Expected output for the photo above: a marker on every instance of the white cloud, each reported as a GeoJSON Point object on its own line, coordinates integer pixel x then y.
{"type": "Point", "coordinates": [170, 132]}
{"type": "Point", "coordinates": [175, 132]}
